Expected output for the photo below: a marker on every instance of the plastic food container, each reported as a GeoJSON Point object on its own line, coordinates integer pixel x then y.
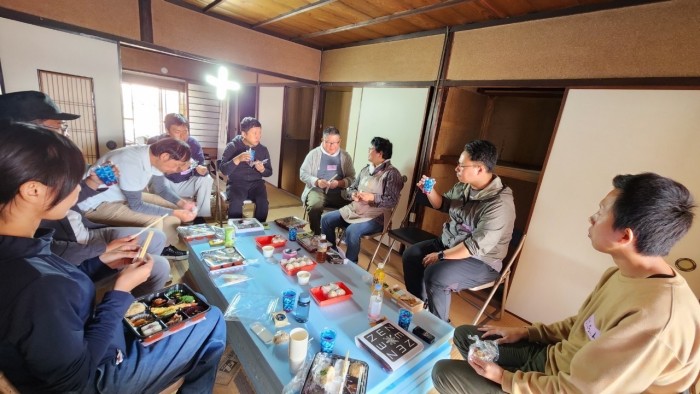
{"type": "Point", "coordinates": [323, 297]}
{"type": "Point", "coordinates": [324, 379]}
{"type": "Point", "coordinates": [196, 232]}
{"type": "Point", "coordinates": [268, 240]}
{"type": "Point", "coordinates": [155, 316]}
{"type": "Point", "coordinates": [223, 258]}
{"type": "Point", "coordinates": [309, 265]}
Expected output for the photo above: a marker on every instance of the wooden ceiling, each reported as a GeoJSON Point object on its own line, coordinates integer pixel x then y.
{"type": "Point", "coordinates": [326, 24]}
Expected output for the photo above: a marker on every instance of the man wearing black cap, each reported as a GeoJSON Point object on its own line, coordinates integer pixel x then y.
{"type": "Point", "coordinates": [76, 238]}
{"type": "Point", "coordinates": [34, 107]}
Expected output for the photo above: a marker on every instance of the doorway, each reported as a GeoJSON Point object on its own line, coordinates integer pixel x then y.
{"type": "Point", "coordinates": [296, 136]}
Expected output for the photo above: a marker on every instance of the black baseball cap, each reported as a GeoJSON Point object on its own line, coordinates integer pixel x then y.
{"type": "Point", "coordinates": [31, 105]}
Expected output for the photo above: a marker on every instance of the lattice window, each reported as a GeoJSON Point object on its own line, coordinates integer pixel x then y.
{"type": "Point", "coordinates": [74, 94]}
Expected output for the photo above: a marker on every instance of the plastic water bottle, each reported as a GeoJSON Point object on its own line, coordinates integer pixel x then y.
{"type": "Point", "coordinates": [301, 313]}
{"type": "Point", "coordinates": [229, 235]}
{"type": "Point", "coordinates": [378, 276]}
{"type": "Point", "coordinates": [375, 303]}
{"type": "Point", "coordinates": [292, 233]}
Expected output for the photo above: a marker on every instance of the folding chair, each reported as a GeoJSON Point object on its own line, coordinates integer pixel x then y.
{"type": "Point", "coordinates": [222, 197]}
{"type": "Point", "coordinates": [385, 230]}
{"type": "Point", "coordinates": [516, 245]}
{"type": "Point", "coordinates": [407, 236]}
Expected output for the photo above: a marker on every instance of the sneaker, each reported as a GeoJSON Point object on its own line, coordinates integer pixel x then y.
{"type": "Point", "coordinates": [173, 253]}
{"type": "Point", "coordinates": [199, 220]}
{"type": "Point", "coordinates": [340, 252]}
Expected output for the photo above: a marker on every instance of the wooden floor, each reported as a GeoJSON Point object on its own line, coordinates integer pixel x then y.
{"type": "Point", "coordinates": [461, 312]}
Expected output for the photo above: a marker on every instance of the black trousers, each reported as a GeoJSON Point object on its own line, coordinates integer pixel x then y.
{"type": "Point", "coordinates": [241, 191]}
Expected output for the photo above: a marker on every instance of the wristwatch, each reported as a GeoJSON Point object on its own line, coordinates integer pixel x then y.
{"type": "Point", "coordinates": [441, 255]}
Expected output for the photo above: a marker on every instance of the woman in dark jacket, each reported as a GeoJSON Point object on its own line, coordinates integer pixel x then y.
{"type": "Point", "coordinates": [52, 337]}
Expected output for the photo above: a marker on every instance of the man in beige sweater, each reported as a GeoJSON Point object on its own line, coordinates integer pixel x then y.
{"type": "Point", "coordinates": [638, 331]}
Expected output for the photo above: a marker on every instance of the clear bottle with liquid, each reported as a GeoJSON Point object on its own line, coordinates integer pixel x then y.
{"type": "Point", "coordinates": [321, 249]}
{"type": "Point", "coordinates": [229, 234]}
{"type": "Point", "coordinates": [301, 313]}
{"type": "Point", "coordinates": [378, 276]}
{"type": "Point", "coordinates": [375, 303]}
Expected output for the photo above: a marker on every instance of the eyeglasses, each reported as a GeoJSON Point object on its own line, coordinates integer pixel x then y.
{"type": "Point", "coordinates": [467, 165]}
{"type": "Point", "coordinates": [63, 127]}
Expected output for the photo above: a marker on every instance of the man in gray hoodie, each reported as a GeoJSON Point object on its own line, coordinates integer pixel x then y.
{"type": "Point", "coordinates": [474, 241]}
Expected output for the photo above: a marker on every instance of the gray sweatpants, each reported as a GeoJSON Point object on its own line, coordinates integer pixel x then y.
{"type": "Point", "coordinates": [435, 283]}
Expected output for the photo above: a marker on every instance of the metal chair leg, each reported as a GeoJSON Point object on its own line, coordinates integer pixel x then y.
{"type": "Point", "coordinates": [376, 250]}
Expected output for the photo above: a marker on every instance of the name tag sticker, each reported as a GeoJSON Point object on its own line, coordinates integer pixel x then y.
{"type": "Point", "coordinates": [331, 167]}
{"type": "Point", "coordinates": [591, 330]}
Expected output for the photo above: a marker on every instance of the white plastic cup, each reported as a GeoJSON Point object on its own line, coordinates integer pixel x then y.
{"type": "Point", "coordinates": [268, 250]}
{"type": "Point", "coordinates": [298, 344]}
{"type": "Point", "coordinates": [303, 277]}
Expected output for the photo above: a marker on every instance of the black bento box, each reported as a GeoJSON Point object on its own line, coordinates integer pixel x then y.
{"type": "Point", "coordinates": [155, 316]}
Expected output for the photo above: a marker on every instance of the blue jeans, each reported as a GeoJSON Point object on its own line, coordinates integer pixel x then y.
{"type": "Point", "coordinates": [192, 353]}
{"type": "Point", "coordinates": [331, 220]}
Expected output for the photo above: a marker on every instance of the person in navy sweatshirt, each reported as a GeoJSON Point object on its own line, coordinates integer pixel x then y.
{"type": "Point", "coordinates": [246, 162]}
{"type": "Point", "coordinates": [52, 337]}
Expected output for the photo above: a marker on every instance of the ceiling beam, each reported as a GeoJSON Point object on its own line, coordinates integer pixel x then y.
{"type": "Point", "coordinates": [383, 19]}
{"type": "Point", "coordinates": [211, 5]}
{"type": "Point", "coordinates": [295, 12]}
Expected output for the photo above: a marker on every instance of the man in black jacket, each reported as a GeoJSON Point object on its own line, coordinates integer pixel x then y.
{"type": "Point", "coordinates": [246, 161]}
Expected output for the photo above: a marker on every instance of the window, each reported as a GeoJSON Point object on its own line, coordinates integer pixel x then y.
{"type": "Point", "coordinates": [74, 95]}
{"type": "Point", "coordinates": [146, 102]}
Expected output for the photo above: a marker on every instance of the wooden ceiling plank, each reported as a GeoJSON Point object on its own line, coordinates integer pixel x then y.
{"type": "Point", "coordinates": [383, 19]}
{"type": "Point", "coordinates": [486, 4]}
{"type": "Point", "coordinates": [295, 12]}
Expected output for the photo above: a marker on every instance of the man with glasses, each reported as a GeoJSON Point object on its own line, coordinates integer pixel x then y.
{"type": "Point", "coordinates": [193, 181]}
{"type": "Point", "coordinates": [326, 172]}
{"type": "Point", "coordinates": [76, 238]}
{"type": "Point", "coordinates": [474, 241]}
{"type": "Point", "coordinates": [638, 331]}
{"type": "Point", "coordinates": [374, 194]}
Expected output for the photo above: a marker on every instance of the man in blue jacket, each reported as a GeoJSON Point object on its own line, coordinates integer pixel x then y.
{"type": "Point", "coordinates": [194, 181]}
{"type": "Point", "coordinates": [246, 161]}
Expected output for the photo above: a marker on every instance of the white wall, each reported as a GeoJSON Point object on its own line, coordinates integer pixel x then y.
{"type": "Point", "coordinates": [393, 113]}
{"type": "Point", "coordinates": [601, 133]}
{"type": "Point", "coordinates": [25, 48]}
{"type": "Point", "coordinates": [271, 104]}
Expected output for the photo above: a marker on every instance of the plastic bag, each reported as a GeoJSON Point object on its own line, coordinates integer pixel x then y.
{"type": "Point", "coordinates": [483, 350]}
{"type": "Point", "coordinates": [228, 279]}
{"type": "Point", "coordinates": [251, 307]}
{"type": "Point", "coordinates": [295, 385]}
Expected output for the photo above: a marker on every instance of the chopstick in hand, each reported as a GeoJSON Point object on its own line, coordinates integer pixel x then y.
{"type": "Point", "coordinates": [149, 226]}
{"type": "Point", "coordinates": [329, 184]}
{"type": "Point", "coordinates": [142, 252]}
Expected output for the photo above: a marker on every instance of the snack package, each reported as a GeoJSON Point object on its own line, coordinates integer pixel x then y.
{"type": "Point", "coordinates": [483, 350]}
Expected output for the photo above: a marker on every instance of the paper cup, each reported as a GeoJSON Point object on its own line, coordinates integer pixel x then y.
{"type": "Point", "coordinates": [298, 344]}
{"type": "Point", "coordinates": [303, 277]}
{"type": "Point", "coordinates": [268, 250]}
